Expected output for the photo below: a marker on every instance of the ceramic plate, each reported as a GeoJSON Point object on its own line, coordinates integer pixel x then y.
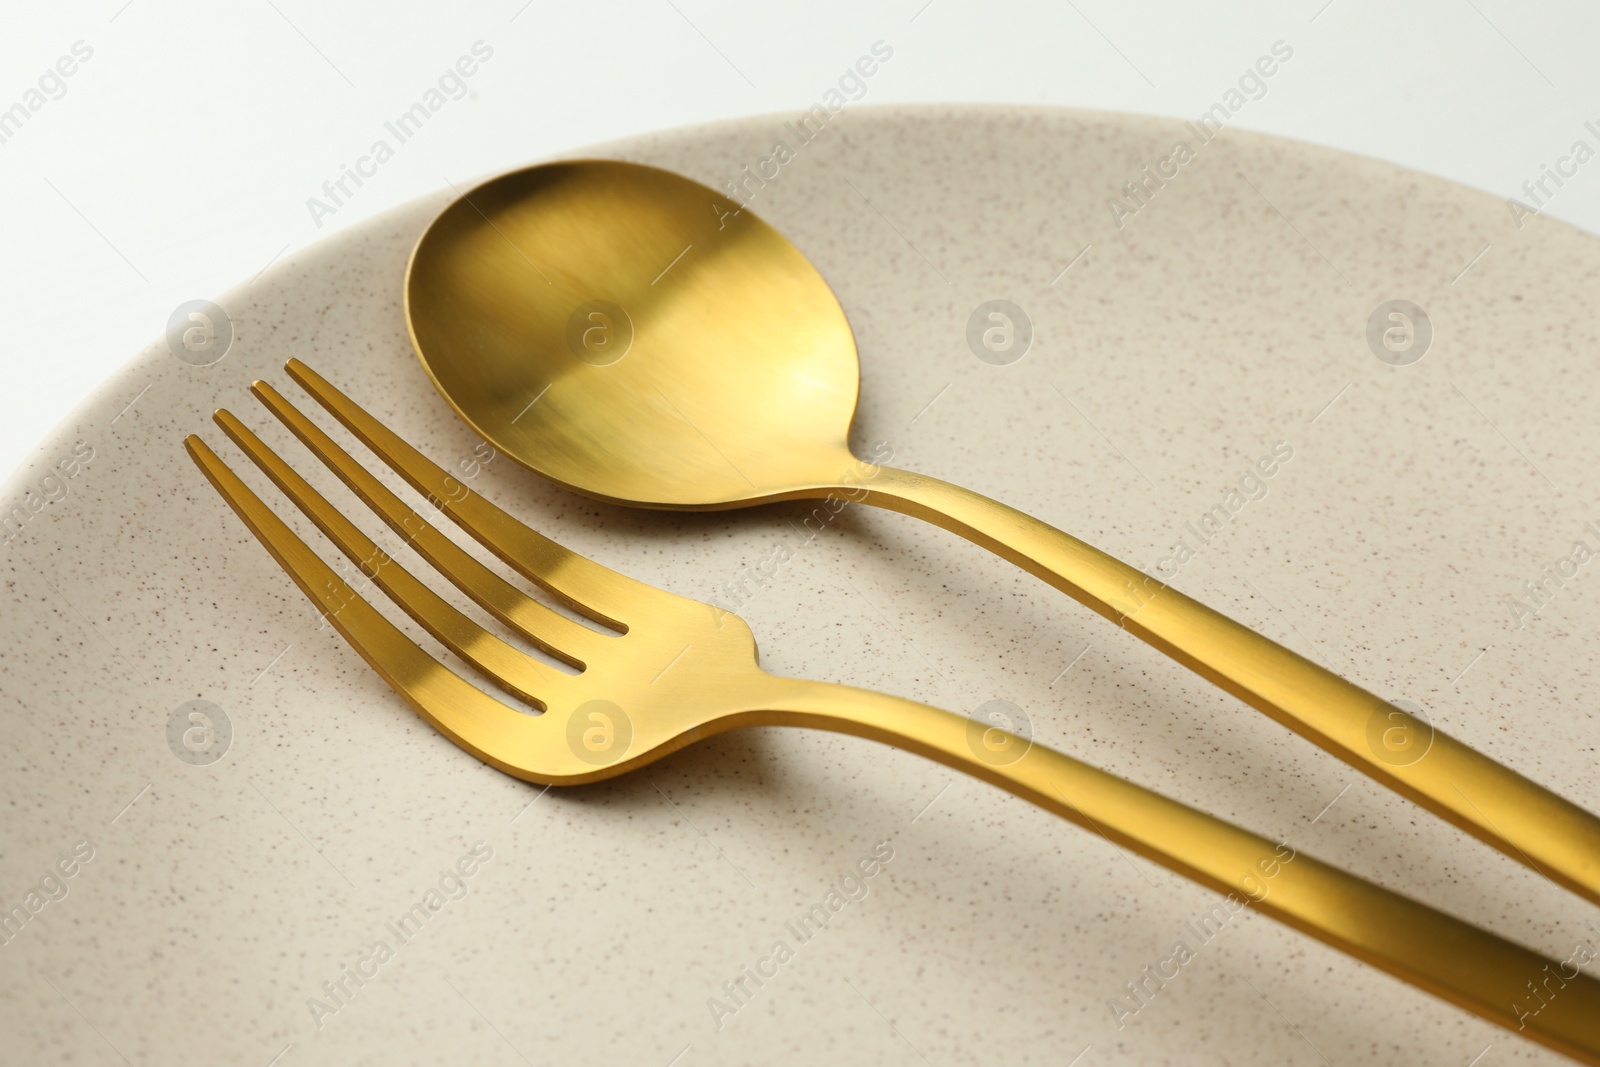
{"type": "Point", "coordinates": [296, 866]}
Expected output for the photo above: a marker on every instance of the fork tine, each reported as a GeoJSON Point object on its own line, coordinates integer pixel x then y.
{"type": "Point", "coordinates": [587, 587]}
{"type": "Point", "coordinates": [556, 634]}
{"type": "Point", "coordinates": [447, 701]}
{"type": "Point", "coordinates": [507, 667]}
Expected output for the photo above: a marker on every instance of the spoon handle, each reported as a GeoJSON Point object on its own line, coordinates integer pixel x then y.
{"type": "Point", "coordinates": [1524, 820]}
{"type": "Point", "coordinates": [1468, 966]}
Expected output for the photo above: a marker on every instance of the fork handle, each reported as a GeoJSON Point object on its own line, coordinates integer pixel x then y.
{"type": "Point", "coordinates": [1524, 820]}
{"type": "Point", "coordinates": [1468, 966]}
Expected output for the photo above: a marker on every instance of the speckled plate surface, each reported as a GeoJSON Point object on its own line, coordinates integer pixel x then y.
{"type": "Point", "coordinates": [232, 909]}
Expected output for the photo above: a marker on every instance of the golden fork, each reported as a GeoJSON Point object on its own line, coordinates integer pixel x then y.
{"type": "Point", "coordinates": [677, 670]}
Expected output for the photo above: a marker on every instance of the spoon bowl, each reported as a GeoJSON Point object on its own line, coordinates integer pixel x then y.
{"type": "Point", "coordinates": [633, 335]}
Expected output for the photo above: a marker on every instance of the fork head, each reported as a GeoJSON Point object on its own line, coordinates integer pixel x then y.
{"type": "Point", "coordinates": [654, 673]}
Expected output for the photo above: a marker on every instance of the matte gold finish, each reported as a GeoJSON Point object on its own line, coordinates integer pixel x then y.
{"type": "Point", "coordinates": [633, 335]}
{"type": "Point", "coordinates": [722, 373]}
{"type": "Point", "coordinates": [673, 671]}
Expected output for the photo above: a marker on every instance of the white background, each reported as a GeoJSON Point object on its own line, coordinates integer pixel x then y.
{"type": "Point", "coordinates": [179, 160]}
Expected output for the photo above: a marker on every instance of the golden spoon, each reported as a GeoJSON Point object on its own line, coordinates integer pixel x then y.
{"type": "Point", "coordinates": [633, 335]}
